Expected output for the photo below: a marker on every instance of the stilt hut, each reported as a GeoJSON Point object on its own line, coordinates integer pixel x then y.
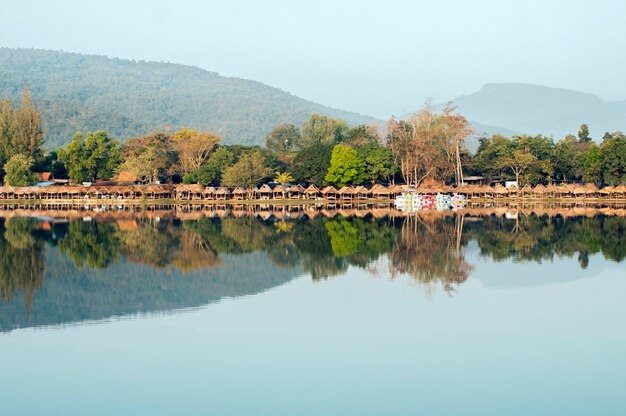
{"type": "Point", "coordinates": [279, 192]}
{"type": "Point", "coordinates": [264, 192]}
{"type": "Point", "coordinates": [538, 191]}
{"type": "Point", "coordinates": [346, 193]}
{"type": "Point", "coordinates": [330, 193]}
{"type": "Point", "coordinates": [362, 193]}
{"type": "Point", "coordinates": [222, 194]}
{"type": "Point", "coordinates": [239, 193]}
{"type": "Point", "coordinates": [295, 192]}
{"type": "Point", "coordinates": [381, 192]}
{"type": "Point", "coordinates": [209, 193]}
{"type": "Point", "coordinates": [312, 192]}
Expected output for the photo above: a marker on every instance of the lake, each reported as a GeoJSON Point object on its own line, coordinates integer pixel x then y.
{"type": "Point", "coordinates": [493, 313]}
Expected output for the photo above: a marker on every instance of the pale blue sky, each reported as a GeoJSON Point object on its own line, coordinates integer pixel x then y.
{"type": "Point", "coordinates": [374, 57]}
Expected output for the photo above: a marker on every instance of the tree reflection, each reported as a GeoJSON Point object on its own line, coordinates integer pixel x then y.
{"type": "Point", "coordinates": [21, 260]}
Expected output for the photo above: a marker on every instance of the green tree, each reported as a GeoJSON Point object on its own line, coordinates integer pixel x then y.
{"type": "Point", "coordinates": [18, 171]}
{"type": "Point", "coordinates": [283, 138]}
{"type": "Point", "coordinates": [95, 158]}
{"type": "Point", "coordinates": [320, 129]}
{"type": "Point", "coordinates": [592, 167]}
{"type": "Point", "coordinates": [250, 170]}
{"type": "Point", "coordinates": [564, 158]}
{"type": "Point", "coordinates": [613, 159]}
{"type": "Point", "coordinates": [311, 164]}
{"type": "Point", "coordinates": [519, 161]}
{"type": "Point", "coordinates": [583, 134]}
{"type": "Point", "coordinates": [345, 167]}
{"type": "Point", "coordinates": [151, 157]}
{"type": "Point", "coordinates": [377, 161]}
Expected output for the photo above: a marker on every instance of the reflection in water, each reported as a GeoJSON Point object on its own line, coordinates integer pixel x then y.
{"type": "Point", "coordinates": [152, 264]}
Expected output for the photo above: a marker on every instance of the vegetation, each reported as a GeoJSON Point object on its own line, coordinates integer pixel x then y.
{"type": "Point", "coordinates": [130, 98]}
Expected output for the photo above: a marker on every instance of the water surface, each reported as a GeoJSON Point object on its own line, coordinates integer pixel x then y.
{"type": "Point", "coordinates": [438, 315]}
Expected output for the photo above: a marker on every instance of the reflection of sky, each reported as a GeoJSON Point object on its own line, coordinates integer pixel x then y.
{"type": "Point", "coordinates": [351, 345]}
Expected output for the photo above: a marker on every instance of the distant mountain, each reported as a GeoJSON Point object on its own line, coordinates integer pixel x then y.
{"type": "Point", "coordinates": [535, 109]}
{"type": "Point", "coordinates": [86, 92]}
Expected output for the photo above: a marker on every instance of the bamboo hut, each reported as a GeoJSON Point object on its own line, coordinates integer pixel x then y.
{"type": "Point", "coordinates": [381, 192]}
{"type": "Point", "coordinates": [222, 194]}
{"type": "Point", "coordinates": [362, 193]}
{"type": "Point", "coordinates": [239, 193]}
{"type": "Point", "coordinates": [279, 192]}
{"type": "Point", "coordinates": [295, 192]}
{"type": "Point", "coordinates": [500, 191]}
{"type": "Point", "coordinates": [330, 193]}
{"type": "Point", "coordinates": [264, 192]}
{"type": "Point", "coordinates": [538, 191]}
{"type": "Point", "coordinates": [347, 193]}
{"type": "Point", "coordinates": [312, 192]}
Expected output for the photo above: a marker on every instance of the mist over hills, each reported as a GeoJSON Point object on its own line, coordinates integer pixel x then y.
{"type": "Point", "coordinates": [79, 92]}
{"type": "Point", "coordinates": [87, 93]}
{"type": "Point", "coordinates": [535, 109]}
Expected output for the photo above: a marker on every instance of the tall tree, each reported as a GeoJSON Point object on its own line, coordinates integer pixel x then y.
{"type": "Point", "coordinates": [194, 148]}
{"type": "Point", "coordinates": [250, 170]}
{"type": "Point", "coordinates": [95, 158]}
{"type": "Point", "coordinates": [592, 172]}
{"type": "Point", "coordinates": [320, 129]}
{"type": "Point", "coordinates": [311, 163]}
{"type": "Point", "coordinates": [345, 167]}
{"type": "Point", "coordinates": [613, 159]}
{"type": "Point", "coordinates": [377, 161]}
{"type": "Point", "coordinates": [18, 171]}
{"type": "Point", "coordinates": [583, 134]}
{"type": "Point", "coordinates": [283, 138]}
{"type": "Point", "coordinates": [151, 157]}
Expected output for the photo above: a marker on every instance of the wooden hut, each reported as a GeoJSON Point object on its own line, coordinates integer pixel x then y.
{"type": "Point", "coordinates": [264, 192]}
{"type": "Point", "coordinates": [279, 192]}
{"type": "Point", "coordinates": [222, 193]}
{"type": "Point", "coordinates": [362, 193]}
{"type": "Point", "coordinates": [239, 193]}
{"type": "Point", "coordinates": [500, 191]}
{"type": "Point", "coordinates": [312, 192]}
{"type": "Point", "coordinates": [381, 192]}
{"type": "Point", "coordinates": [330, 193]}
{"type": "Point", "coordinates": [295, 192]}
{"type": "Point", "coordinates": [347, 193]}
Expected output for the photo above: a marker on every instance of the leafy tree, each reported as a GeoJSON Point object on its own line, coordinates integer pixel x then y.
{"type": "Point", "coordinates": [592, 167]}
{"type": "Point", "coordinates": [321, 129]}
{"type": "Point", "coordinates": [21, 129]}
{"type": "Point", "coordinates": [95, 158]}
{"type": "Point", "coordinates": [583, 134]}
{"type": "Point", "coordinates": [311, 164]}
{"type": "Point", "coordinates": [194, 148]}
{"type": "Point", "coordinates": [249, 171]}
{"type": "Point", "coordinates": [151, 157]}
{"type": "Point", "coordinates": [362, 134]}
{"type": "Point", "coordinates": [345, 167]}
{"type": "Point", "coordinates": [283, 138]}
{"type": "Point", "coordinates": [18, 171]}
{"type": "Point", "coordinates": [377, 161]}
{"type": "Point", "coordinates": [564, 159]}
{"type": "Point", "coordinates": [519, 161]}
{"type": "Point", "coordinates": [613, 159]}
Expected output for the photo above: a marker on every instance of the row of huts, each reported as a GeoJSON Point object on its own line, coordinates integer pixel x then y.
{"type": "Point", "coordinates": [194, 192]}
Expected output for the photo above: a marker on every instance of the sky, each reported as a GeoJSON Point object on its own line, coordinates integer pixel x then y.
{"type": "Point", "coordinates": [379, 58]}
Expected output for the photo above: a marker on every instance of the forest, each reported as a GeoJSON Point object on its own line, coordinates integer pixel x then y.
{"type": "Point", "coordinates": [128, 98]}
{"type": "Point", "coordinates": [323, 150]}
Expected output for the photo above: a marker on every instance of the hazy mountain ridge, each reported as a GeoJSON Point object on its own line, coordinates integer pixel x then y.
{"type": "Point", "coordinates": [535, 109]}
{"type": "Point", "coordinates": [88, 92]}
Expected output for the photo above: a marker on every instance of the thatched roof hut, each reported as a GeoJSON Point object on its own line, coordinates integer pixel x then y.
{"type": "Point", "coordinates": [329, 192]}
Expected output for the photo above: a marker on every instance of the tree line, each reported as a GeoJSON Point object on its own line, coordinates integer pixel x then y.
{"type": "Point", "coordinates": [427, 145]}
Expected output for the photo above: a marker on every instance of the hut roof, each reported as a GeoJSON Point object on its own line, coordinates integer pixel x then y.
{"type": "Point", "coordinates": [265, 188]}
{"type": "Point", "coordinates": [579, 190]}
{"type": "Point", "coordinates": [527, 188]}
{"type": "Point", "coordinates": [189, 187]}
{"type": "Point", "coordinates": [329, 190]}
{"type": "Point", "coordinates": [499, 189]}
{"type": "Point", "coordinates": [381, 190]}
{"type": "Point", "coordinates": [591, 187]}
{"type": "Point", "coordinates": [311, 189]}
{"type": "Point", "coordinates": [347, 190]}
{"type": "Point", "coordinates": [539, 189]}
{"type": "Point", "coordinates": [238, 191]}
{"type": "Point", "coordinates": [222, 191]}
{"type": "Point", "coordinates": [209, 190]}
{"type": "Point", "coordinates": [279, 188]}
{"type": "Point", "coordinates": [45, 176]}
{"type": "Point", "coordinates": [362, 190]}
{"type": "Point", "coordinates": [607, 190]}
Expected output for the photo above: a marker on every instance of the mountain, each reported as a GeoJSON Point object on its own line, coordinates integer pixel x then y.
{"type": "Point", "coordinates": [535, 109]}
{"type": "Point", "coordinates": [86, 93]}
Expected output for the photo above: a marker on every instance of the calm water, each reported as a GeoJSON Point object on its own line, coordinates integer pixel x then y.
{"type": "Point", "coordinates": [432, 315]}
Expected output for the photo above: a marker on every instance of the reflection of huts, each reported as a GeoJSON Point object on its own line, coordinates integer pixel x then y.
{"type": "Point", "coordinates": [312, 192]}
{"type": "Point", "coordinates": [330, 193]}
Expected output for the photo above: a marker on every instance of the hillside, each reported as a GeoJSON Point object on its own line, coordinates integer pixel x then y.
{"type": "Point", "coordinates": [84, 92]}
{"type": "Point", "coordinates": [535, 109]}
